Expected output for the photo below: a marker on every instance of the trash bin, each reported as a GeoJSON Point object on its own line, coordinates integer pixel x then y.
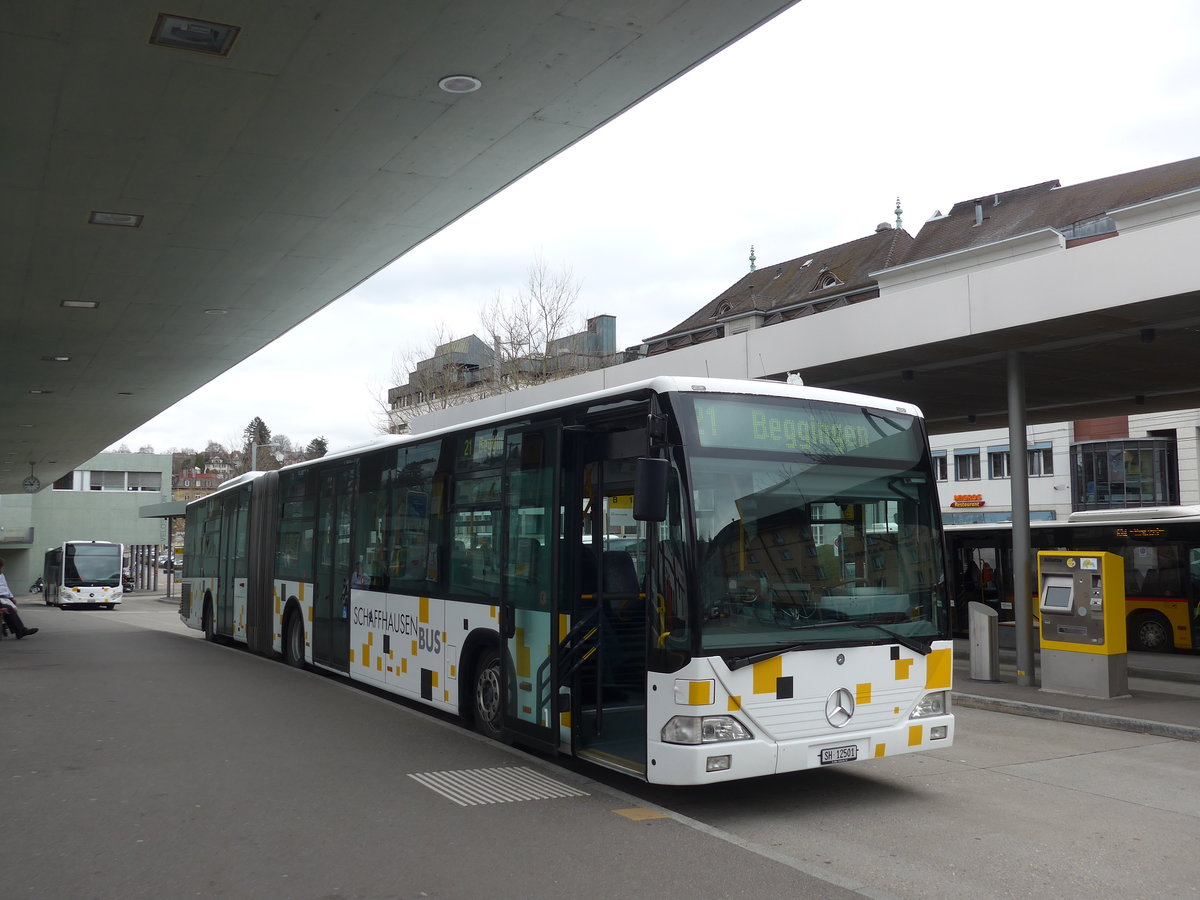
{"type": "Point", "coordinates": [983, 626]}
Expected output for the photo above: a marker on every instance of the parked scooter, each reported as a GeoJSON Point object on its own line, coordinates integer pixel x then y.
{"type": "Point", "coordinates": [36, 587]}
{"type": "Point", "coordinates": [127, 583]}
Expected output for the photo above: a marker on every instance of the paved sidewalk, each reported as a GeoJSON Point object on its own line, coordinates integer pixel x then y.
{"type": "Point", "coordinates": [1164, 695]}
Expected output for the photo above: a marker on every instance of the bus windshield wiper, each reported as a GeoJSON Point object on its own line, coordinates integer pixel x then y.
{"type": "Point", "coordinates": [739, 662]}
{"type": "Point", "coordinates": [904, 640]}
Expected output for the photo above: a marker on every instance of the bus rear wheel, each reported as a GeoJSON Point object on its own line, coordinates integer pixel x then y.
{"type": "Point", "coordinates": [207, 623]}
{"type": "Point", "coordinates": [293, 641]}
{"type": "Point", "coordinates": [1150, 631]}
{"type": "Point", "coordinates": [485, 709]}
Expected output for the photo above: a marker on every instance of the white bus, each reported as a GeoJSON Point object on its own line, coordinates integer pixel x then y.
{"type": "Point", "coordinates": [774, 601]}
{"type": "Point", "coordinates": [83, 573]}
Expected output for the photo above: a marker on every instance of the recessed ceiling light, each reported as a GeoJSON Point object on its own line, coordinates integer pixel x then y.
{"type": "Point", "coordinates": [215, 312]}
{"type": "Point", "coordinates": [23, 425]}
{"type": "Point", "coordinates": [127, 220]}
{"type": "Point", "coordinates": [56, 359]}
{"type": "Point", "coordinates": [181, 33]}
{"type": "Point", "coordinates": [80, 304]}
{"type": "Point", "coordinates": [38, 391]}
{"type": "Point", "coordinates": [459, 84]}
{"type": "Point", "coordinates": [124, 393]}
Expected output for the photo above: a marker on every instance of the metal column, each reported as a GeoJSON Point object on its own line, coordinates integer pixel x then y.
{"type": "Point", "coordinates": [1018, 470]}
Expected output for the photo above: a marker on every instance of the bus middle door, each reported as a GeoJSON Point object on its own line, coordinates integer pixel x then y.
{"type": "Point", "coordinates": [331, 607]}
{"type": "Point", "coordinates": [529, 575]}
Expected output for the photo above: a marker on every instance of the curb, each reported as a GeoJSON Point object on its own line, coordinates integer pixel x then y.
{"type": "Point", "coordinates": [1077, 717]}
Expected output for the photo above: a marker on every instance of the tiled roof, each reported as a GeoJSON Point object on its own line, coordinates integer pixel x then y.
{"type": "Point", "coordinates": [774, 288]}
{"type": "Point", "coordinates": [1048, 204]}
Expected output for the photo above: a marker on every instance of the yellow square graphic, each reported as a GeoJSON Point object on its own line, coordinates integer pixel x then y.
{"type": "Point", "coordinates": [939, 665]}
{"type": "Point", "coordinates": [767, 674]}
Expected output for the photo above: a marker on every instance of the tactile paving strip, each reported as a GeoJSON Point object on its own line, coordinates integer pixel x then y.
{"type": "Point", "coordinates": [475, 787]}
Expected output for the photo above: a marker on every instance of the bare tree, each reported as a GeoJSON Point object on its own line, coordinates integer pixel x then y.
{"type": "Point", "coordinates": [518, 349]}
{"type": "Point", "coordinates": [523, 328]}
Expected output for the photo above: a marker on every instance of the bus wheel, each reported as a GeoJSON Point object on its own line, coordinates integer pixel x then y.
{"type": "Point", "coordinates": [206, 622]}
{"type": "Point", "coordinates": [293, 641]}
{"type": "Point", "coordinates": [486, 709]}
{"type": "Point", "coordinates": [1150, 631]}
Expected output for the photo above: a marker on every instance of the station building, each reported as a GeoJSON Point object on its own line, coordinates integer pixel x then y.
{"type": "Point", "coordinates": [1129, 461]}
{"type": "Point", "coordinates": [101, 500]}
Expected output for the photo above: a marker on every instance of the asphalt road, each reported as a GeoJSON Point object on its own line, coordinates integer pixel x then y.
{"type": "Point", "coordinates": [211, 782]}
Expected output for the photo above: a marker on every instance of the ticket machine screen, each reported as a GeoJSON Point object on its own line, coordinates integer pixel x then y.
{"type": "Point", "coordinates": [1057, 596]}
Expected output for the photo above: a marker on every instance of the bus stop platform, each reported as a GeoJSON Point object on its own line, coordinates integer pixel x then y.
{"type": "Point", "coordinates": [1163, 699]}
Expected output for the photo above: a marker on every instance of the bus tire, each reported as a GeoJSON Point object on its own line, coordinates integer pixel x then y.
{"type": "Point", "coordinates": [486, 704]}
{"type": "Point", "coordinates": [1150, 631]}
{"type": "Point", "coordinates": [293, 640]}
{"type": "Point", "coordinates": [207, 623]}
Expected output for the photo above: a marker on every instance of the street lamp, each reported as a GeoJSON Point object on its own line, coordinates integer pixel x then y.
{"type": "Point", "coordinates": [254, 455]}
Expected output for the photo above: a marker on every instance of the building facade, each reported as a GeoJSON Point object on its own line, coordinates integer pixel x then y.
{"type": "Point", "coordinates": [101, 500]}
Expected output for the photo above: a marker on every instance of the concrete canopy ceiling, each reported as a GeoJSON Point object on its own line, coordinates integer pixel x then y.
{"type": "Point", "coordinates": [270, 181]}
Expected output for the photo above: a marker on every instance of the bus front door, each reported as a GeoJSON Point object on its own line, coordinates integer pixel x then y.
{"type": "Point", "coordinates": [609, 620]}
{"type": "Point", "coordinates": [528, 598]}
{"type": "Point", "coordinates": [331, 607]}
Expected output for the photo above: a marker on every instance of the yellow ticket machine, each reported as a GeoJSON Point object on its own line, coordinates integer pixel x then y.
{"type": "Point", "coordinates": [1081, 601]}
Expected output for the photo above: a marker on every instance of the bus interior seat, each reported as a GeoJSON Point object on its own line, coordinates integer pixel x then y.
{"type": "Point", "coordinates": [620, 573]}
{"type": "Point", "coordinates": [1132, 581]}
{"type": "Point", "coordinates": [1151, 582]}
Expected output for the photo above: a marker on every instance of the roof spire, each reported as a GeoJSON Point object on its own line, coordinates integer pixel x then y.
{"type": "Point", "coordinates": [752, 258]}
{"type": "Point", "coordinates": [899, 212]}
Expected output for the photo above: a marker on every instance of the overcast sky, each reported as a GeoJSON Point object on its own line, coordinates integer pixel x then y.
{"type": "Point", "coordinates": [797, 138]}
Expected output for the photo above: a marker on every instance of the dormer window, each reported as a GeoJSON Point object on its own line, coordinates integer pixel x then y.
{"type": "Point", "coordinates": [827, 280]}
{"type": "Point", "coordinates": [723, 310]}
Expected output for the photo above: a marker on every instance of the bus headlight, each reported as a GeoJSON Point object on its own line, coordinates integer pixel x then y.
{"type": "Point", "coordinates": [704, 730]}
{"type": "Point", "coordinates": [934, 704]}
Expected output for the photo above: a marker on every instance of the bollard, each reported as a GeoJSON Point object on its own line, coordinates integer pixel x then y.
{"type": "Point", "coordinates": [983, 626]}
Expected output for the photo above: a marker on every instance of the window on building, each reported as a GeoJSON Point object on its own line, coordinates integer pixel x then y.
{"type": "Point", "coordinates": [66, 483]}
{"type": "Point", "coordinates": [1041, 460]}
{"type": "Point", "coordinates": [939, 465]}
{"type": "Point", "coordinates": [998, 462]}
{"type": "Point", "coordinates": [107, 481]}
{"type": "Point", "coordinates": [145, 481]}
{"type": "Point", "coordinates": [1124, 473]}
{"type": "Point", "coordinates": [966, 465]}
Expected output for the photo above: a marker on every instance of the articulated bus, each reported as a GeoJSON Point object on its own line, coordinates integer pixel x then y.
{"type": "Point", "coordinates": [686, 580]}
{"type": "Point", "coordinates": [1160, 548]}
{"type": "Point", "coordinates": [83, 573]}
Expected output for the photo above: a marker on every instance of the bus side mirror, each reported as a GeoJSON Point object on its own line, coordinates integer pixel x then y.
{"type": "Point", "coordinates": [650, 489]}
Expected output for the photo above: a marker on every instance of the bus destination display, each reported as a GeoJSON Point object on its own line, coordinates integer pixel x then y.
{"type": "Point", "coordinates": [809, 428]}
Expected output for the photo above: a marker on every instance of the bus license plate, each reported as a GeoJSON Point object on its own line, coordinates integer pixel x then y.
{"type": "Point", "coordinates": [839, 754]}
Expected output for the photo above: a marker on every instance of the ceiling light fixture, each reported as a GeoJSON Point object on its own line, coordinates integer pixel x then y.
{"type": "Point", "coordinates": [127, 220]}
{"type": "Point", "coordinates": [80, 304]}
{"type": "Point", "coordinates": [182, 33]}
{"type": "Point", "coordinates": [56, 359]}
{"type": "Point", "coordinates": [459, 84]}
{"type": "Point", "coordinates": [216, 311]}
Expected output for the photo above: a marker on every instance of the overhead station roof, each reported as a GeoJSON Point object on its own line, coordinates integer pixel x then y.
{"type": "Point", "coordinates": [175, 195]}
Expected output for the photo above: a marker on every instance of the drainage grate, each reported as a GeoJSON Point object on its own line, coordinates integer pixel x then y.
{"type": "Point", "coordinates": [475, 787]}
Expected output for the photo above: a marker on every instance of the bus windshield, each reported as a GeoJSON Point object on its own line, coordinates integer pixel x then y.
{"type": "Point", "coordinates": [92, 565]}
{"type": "Point", "coordinates": [815, 523]}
